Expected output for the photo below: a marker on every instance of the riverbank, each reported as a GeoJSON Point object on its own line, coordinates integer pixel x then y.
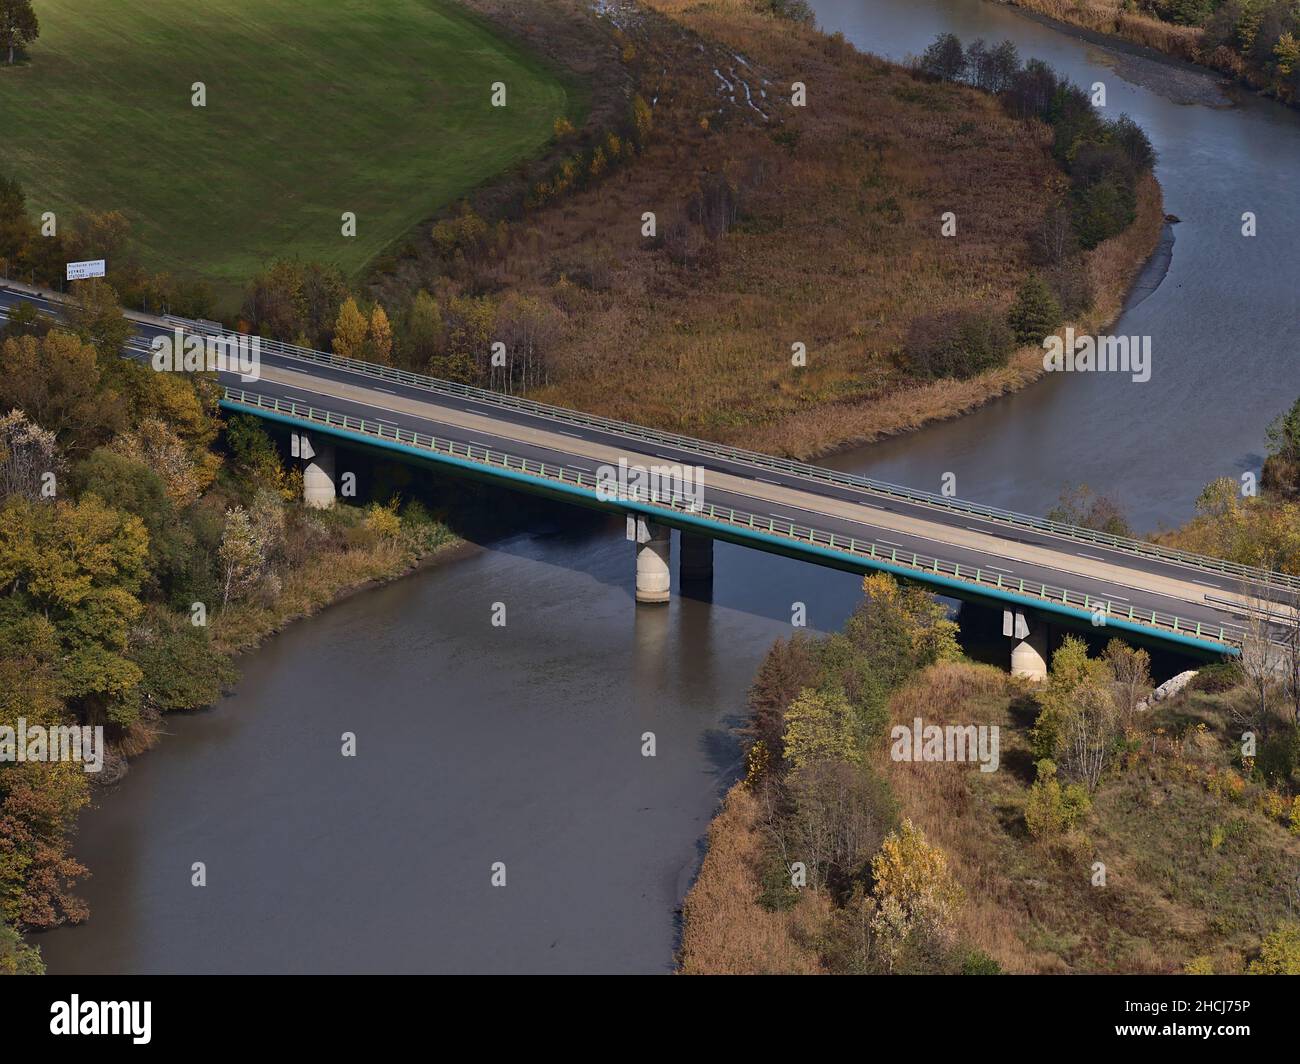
{"type": "Point", "coordinates": [1107, 22]}
{"type": "Point", "coordinates": [734, 309]}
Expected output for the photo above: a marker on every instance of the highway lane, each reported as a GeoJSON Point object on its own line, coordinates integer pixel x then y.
{"type": "Point", "coordinates": [1086, 568]}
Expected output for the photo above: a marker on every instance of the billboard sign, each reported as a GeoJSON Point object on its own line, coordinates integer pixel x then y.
{"type": "Point", "coordinates": [79, 271]}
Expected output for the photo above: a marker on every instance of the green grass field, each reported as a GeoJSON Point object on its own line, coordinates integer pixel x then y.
{"type": "Point", "coordinates": [314, 107]}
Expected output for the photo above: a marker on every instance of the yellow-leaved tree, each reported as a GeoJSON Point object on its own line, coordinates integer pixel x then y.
{"type": "Point", "coordinates": [914, 890]}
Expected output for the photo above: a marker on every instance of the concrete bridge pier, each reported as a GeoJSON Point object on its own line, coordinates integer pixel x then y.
{"type": "Point", "coordinates": [318, 470]}
{"type": "Point", "coordinates": [654, 545]}
{"type": "Point", "coordinates": [1029, 655]}
{"type": "Point", "coordinates": [697, 558]}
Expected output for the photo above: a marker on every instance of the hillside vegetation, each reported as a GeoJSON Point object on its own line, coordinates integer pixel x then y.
{"type": "Point", "coordinates": [143, 542]}
{"type": "Point", "coordinates": [313, 108]}
{"type": "Point", "coordinates": [1109, 837]}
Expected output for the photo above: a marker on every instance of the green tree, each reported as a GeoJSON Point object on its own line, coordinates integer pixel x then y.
{"type": "Point", "coordinates": [16, 957]}
{"type": "Point", "coordinates": [423, 330]}
{"type": "Point", "coordinates": [96, 317]}
{"type": "Point", "coordinates": [900, 629]}
{"type": "Point", "coordinates": [944, 59]}
{"type": "Point", "coordinates": [19, 25]}
{"type": "Point", "coordinates": [132, 487]}
{"type": "Point", "coordinates": [1050, 809]}
{"type": "Point", "coordinates": [821, 726]}
{"type": "Point", "coordinates": [1035, 313]}
{"type": "Point", "coordinates": [1284, 434]}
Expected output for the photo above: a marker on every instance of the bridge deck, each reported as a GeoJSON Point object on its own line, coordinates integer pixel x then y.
{"type": "Point", "coordinates": [829, 518]}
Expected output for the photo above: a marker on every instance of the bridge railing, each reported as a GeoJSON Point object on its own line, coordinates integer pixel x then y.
{"type": "Point", "coordinates": [806, 470]}
{"type": "Point", "coordinates": [880, 488]}
{"type": "Point", "coordinates": [923, 566]}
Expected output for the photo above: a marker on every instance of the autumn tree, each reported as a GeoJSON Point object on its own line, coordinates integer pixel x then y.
{"type": "Point", "coordinates": [528, 327]}
{"type": "Point", "coordinates": [1084, 508]}
{"type": "Point", "coordinates": [297, 302]}
{"type": "Point", "coordinates": [381, 337]}
{"type": "Point", "coordinates": [56, 382]}
{"type": "Point", "coordinates": [350, 330]}
{"type": "Point", "coordinates": [1131, 669]}
{"type": "Point", "coordinates": [790, 666]}
{"type": "Point", "coordinates": [944, 59]}
{"type": "Point", "coordinates": [422, 332]}
{"type": "Point", "coordinates": [915, 892]}
{"type": "Point", "coordinates": [900, 628]}
{"type": "Point", "coordinates": [29, 458]}
{"type": "Point", "coordinates": [1279, 953]}
{"type": "Point", "coordinates": [242, 556]}
{"type": "Point", "coordinates": [79, 565]}
{"type": "Point", "coordinates": [837, 822]}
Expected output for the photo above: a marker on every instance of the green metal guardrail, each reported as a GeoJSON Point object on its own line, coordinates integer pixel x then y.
{"type": "Point", "coordinates": [924, 566]}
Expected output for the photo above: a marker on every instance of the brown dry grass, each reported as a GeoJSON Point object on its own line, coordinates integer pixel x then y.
{"type": "Point", "coordinates": [1109, 16]}
{"type": "Point", "coordinates": [838, 247]}
{"type": "Point", "coordinates": [1190, 872]}
{"type": "Point", "coordinates": [1170, 893]}
{"type": "Point", "coordinates": [726, 931]}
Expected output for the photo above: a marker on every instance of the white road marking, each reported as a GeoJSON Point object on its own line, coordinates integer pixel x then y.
{"type": "Point", "coordinates": [1206, 583]}
{"type": "Point", "coordinates": [1090, 557]}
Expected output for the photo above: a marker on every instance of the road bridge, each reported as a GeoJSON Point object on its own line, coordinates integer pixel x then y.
{"type": "Point", "coordinates": [1037, 571]}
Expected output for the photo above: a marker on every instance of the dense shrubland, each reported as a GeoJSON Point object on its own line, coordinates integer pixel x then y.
{"type": "Point", "coordinates": [1113, 837]}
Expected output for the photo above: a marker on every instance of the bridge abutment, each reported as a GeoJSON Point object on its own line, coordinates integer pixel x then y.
{"type": "Point", "coordinates": [654, 544]}
{"type": "Point", "coordinates": [696, 562]}
{"type": "Point", "coordinates": [317, 472]}
{"type": "Point", "coordinates": [1029, 655]}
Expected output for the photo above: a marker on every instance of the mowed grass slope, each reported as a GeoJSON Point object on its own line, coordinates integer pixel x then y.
{"type": "Point", "coordinates": [314, 107]}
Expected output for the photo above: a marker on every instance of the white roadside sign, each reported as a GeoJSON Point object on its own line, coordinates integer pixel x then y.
{"type": "Point", "coordinates": [79, 271]}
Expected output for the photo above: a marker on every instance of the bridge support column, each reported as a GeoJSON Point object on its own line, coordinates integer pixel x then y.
{"type": "Point", "coordinates": [697, 557]}
{"type": "Point", "coordinates": [654, 544]}
{"type": "Point", "coordinates": [1029, 655]}
{"type": "Point", "coordinates": [317, 471]}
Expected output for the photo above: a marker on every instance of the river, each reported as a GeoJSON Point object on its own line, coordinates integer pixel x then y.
{"type": "Point", "coordinates": [523, 744]}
